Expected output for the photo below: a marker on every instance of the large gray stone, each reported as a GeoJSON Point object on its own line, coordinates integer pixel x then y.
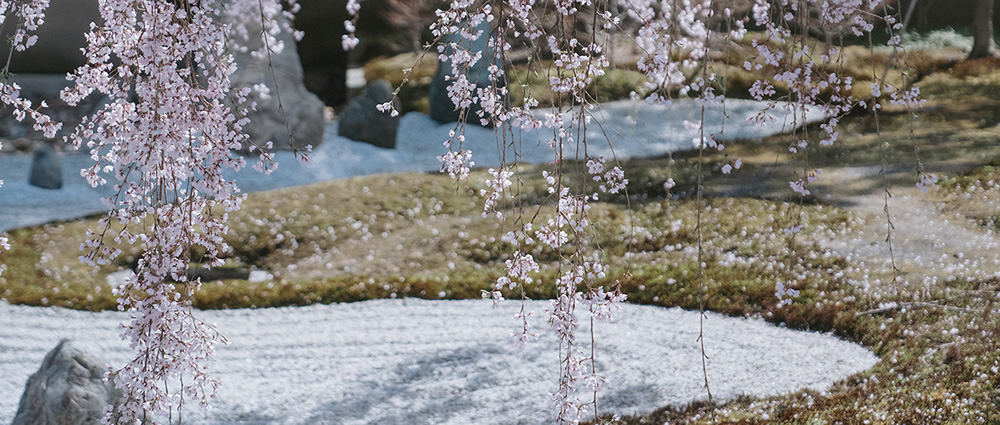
{"type": "Point", "coordinates": [68, 389]}
{"type": "Point", "coordinates": [361, 121]}
{"type": "Point", "coordinates": [46, 169]}
{"type": "Point", "coordinates": [442, 108]}
{"type": "Point", "coordinates": [303, 109]}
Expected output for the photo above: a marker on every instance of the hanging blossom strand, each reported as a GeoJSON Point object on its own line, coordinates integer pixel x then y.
{"type": "Point", "coordinates": [164, 138]}
{"type": "Point", "coordinates": [576, 63]}
{"type": "Point", "coordinates": [811, 74]}
{"type": "Point", "coordinates": [673, 41]}
{"type": "Point", "coordinates": [28, 15]}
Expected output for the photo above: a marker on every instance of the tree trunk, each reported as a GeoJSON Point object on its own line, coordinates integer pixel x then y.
{"type": "Point", "coordinates": [982, 29]}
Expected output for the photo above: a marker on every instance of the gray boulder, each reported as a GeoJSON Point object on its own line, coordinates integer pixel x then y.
{"type": "Point", "coordinates": [303, 109]}
{"type": "Point", "coordinates": [46, 169]}
{"type": "Point", "coordinates": [442, 108]}
{"type": "Point", "coordinates": [68, 389]}
{"type": "Point", "coordinates": [362, 122]}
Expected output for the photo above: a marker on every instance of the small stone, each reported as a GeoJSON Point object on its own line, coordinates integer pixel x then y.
{"type": "Point", "coordinates": [46, 170]}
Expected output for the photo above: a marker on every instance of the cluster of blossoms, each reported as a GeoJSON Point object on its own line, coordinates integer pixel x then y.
{"type": "Point", "coordinates": [519, 270]}
{"type": "Point", "coordinates": [457, 163]}
{"type": "Point", "coordinates": [925, 181]}
{"type": "Point", "coordinates": [784, 294]}
{"type": "Point", "coordinates": [576, 63]}
{"type": "Point", "coordinates": [165, 138]}
{"type": "Point", "coordinates": [30, 14]}
{"type": "Point", "coordinates": [811, 74]}
{"type": "Point", "coordinates": [350, 40]}
{"type": "Point", "coordinates": [27, 16]}
{"type": "Point", "coordinates": [497, 186]}
{"type": "Point", "coordinates": [246, 30]}
{"type": "Point", "coordinates": [575, 288]}
{"type": "Point", "coordinates": [799, 186]}
{"type": "Point", "coordinates": [735, 165]}
{"type": "Point", "coordinates": [611, 181]}
{"type": "Point", "coordinates": [10, 94]}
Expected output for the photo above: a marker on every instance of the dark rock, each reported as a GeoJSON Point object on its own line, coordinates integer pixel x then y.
{"type": "Point", "coordinates": [442, 108]}
{"type": "Point", "coordinates": [68, 389]}
{"type": "Point", "coordinates": [361, 121]}
{"type": "Point", "coordinates": [46, 170]}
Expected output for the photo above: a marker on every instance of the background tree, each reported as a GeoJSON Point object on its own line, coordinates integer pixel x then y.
{"type": "Point", "coordinates": [982, 29]}
{"type": "Point", "coordinates": [412, 17]}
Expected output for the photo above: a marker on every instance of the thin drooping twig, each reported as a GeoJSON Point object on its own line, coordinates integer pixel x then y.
{"type": "Point", "coordinates": [274, 79]}
{"type": "Point", "coordinates": [886, 193]}
{"type": "Point", "coordinates": [895, 49]}
{"type": "Point", "coordinates": [698, 206]}
{"type": "Point", "coordinates": [701, 252]}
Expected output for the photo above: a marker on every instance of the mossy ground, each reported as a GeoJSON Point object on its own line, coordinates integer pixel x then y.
{"type": "Point", "coordinates": [373, 237]}
{"type": "Point", "coordinates": [422, 235]}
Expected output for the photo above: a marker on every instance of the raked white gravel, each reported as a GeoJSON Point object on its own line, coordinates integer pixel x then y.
{"type": "Point", "coordinates": [417, 362]}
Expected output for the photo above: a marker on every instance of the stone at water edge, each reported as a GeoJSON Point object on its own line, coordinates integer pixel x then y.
{"type": "Point", "coordinates": [362, 122]}
{"type": "Point", "coordinates": [68, 389]}
{"type": "Point", "coordinates": [46, 170]}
